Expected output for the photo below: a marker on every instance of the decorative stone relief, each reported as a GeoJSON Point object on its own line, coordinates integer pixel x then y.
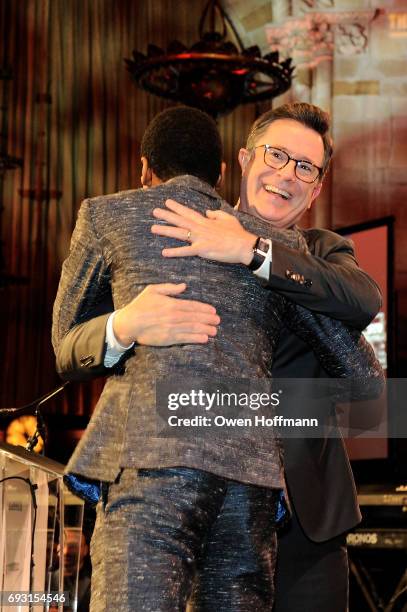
{"type": "Point", "coordinates": [350, 39]}
{"type": "Point", "coordinates": [314, 37]}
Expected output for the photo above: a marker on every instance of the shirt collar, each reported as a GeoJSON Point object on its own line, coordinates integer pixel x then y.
{"type": "Point", "coordinates": [193, 182]}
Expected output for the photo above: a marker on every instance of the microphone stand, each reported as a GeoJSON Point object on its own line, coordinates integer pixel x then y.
{"type": "Point", "coordinates": [41, 429]}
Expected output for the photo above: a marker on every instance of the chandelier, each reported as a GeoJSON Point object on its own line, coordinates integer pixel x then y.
{"type": "Point", "coordinates": [213, 74]}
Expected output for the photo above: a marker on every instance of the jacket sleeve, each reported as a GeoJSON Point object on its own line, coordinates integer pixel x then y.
{"type": "Point", "coordinates": [83, 287]}
{"type": "Point", "coordinates": [328, 280]}
{"type": "Point", "coordinates": [81, 352]}
{"type": "Point", "coordinates": [342, 351]}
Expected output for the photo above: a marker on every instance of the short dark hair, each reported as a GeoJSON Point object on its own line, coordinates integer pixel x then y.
{"type": "Point", "coordinates": [183, 140]}
{"type": "Point", "coordinates": [309, 115]}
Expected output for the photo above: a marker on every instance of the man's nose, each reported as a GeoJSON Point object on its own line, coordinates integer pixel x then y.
{"type": "Point", "coordinates": [288, 171]}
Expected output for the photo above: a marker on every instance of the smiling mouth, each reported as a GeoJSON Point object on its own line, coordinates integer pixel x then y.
{"type": "Point", "coordinates": [272, 189]}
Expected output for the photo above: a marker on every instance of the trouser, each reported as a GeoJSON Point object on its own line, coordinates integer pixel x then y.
{"type": "Point", "coordinates": [151, 534]}
{"type": "Point", "coordinates": [310, 576]}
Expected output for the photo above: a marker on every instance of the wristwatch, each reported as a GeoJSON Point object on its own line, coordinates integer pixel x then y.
{"type": "Point", "coordinates": [261, 252]}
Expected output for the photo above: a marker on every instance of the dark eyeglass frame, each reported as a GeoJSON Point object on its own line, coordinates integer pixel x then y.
{"type": "Point", "coordinates": [267, 148]}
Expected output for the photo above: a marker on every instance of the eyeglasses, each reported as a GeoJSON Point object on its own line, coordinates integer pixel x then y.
{"type": "Point", "coordinates": [278, 159]}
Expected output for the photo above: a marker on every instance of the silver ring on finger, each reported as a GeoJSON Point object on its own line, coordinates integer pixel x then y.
{"type": "Point", "coordinates": [189, 236]}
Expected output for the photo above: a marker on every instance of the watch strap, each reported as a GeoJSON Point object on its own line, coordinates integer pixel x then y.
{"type": "Point", "coordinates": [260, 250]}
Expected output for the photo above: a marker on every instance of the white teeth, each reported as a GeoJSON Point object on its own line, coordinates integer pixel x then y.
{"type": "Point", "coordinates": [272, 189]}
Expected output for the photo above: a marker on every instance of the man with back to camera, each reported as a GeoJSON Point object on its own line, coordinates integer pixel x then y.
{"type": "Point", "coordinates": [345, 302]}
{"type": "Point", "coordinates": [142, 558]}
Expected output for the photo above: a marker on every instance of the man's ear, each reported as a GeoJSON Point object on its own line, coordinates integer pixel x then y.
{"type": "Point", "coordinates": [221, 178]}
{"type": "Point", "coordinates": [315, 193]}
{"type": "Point", "coordinates": [146, 173]}
{"type": "Point", "coordinates": [244, 158]}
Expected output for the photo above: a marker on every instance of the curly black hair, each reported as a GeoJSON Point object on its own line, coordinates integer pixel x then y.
{"type": "Point", "coordinates": [183, 140]}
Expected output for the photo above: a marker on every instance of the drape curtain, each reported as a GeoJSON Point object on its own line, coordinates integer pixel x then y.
{"type": "Point", "coordinates": [73, 116]}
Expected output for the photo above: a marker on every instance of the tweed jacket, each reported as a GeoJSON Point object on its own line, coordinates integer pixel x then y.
{"type": "Point", "coordinates": [114, 250]}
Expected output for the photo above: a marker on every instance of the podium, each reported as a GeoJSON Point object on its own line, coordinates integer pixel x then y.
{"type": "Point", "coordinates": [38, 514]}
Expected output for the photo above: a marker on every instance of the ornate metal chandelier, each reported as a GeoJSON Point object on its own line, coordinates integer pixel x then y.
{"type": "Point", "coordinates": [213, 74]}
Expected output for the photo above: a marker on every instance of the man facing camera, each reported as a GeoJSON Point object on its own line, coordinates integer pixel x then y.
{"type": "Point", "coordinates": [283, 166]}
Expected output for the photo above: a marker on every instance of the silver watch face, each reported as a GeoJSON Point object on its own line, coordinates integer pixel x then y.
{"type": "Point", "coordinates": [263, 247]}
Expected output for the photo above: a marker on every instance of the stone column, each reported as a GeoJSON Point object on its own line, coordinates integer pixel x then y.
{"type": "Point", "coordinates": [321, 212]}
{"type": "Point", "coordinates": [281, 10]}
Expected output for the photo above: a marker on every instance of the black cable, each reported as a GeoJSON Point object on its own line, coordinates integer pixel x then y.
{"type": "Point", "coordinates": [233, 28]}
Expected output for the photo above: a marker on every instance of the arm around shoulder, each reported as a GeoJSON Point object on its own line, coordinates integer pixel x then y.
{"type": "Point", "coordinates": [328, 280]}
